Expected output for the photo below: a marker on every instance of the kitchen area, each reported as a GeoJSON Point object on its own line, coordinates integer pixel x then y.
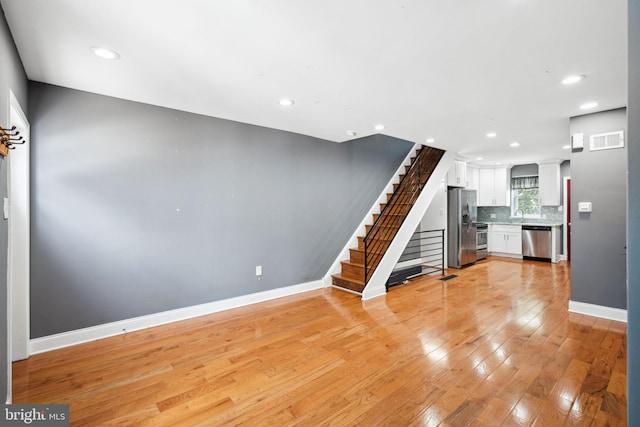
{"type": "Point", "coordinates": [507, 211]}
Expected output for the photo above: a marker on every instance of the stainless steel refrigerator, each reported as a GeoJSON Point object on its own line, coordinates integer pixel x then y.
{"type": "Point", "coordinates": [461, 227]}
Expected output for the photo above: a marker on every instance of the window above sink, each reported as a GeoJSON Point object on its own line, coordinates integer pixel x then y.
{"type": "Point", "coordinates": [525, 197]}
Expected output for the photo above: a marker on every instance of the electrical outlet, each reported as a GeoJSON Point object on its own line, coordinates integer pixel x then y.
{"type": "Point", "coordinates": [258, 270]}
{"type": "Point", "coordinates": [493, 216]}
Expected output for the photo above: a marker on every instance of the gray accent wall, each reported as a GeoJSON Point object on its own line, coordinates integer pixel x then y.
{"type": "Point", "coordinates": [12, 77]}
{"type": "Point", "coordinates": [598, 239]}
{"type": "Point", "coordinates": [138, 209]}
{"type": "Point", "coordinates": [633, 261]}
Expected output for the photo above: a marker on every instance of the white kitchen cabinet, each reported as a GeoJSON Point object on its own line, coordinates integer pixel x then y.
{"type": "Point", "coordinates": [493, 187]}
{"type": "Point", "coordinates": [457, 175]}
{"type": "Point", "coordinates": [549, 184]}
{"type": "Point", "coordinates": [505, 240]}
{"type": "Point", "coordinates": [473, 177]}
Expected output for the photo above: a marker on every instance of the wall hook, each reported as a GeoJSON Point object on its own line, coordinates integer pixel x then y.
{"type": "Point", "coordinates": [9, 138]}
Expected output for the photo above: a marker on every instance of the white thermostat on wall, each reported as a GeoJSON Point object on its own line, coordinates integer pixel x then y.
{"type": "Point", "coordinates": [584, 207]}
{"type": "Point", "coordinates": [577, 142]}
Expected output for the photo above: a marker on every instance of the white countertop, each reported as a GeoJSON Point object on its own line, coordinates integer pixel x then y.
{"type": "Point", "coordinates": [546, 224]}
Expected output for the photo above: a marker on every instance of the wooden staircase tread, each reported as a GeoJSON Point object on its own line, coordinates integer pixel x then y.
{"type": "Point", "coordinates": [355, 264]}
{"type": "Point", "coordinates": [390, 217]}
{"type": "Point", "coordinates": [362, 250]}
{"type": "Point", "coordinates": [370, 251]}
{"type": "Point", "coordinates": [378, 240]}
{"type": "Point", "coordinates": [398, 204]}
{"type": "Point", "coordinates": [346, 282]}
{"type": "Point", "coordinates": [383, 226]}
{"type": "Point", "coordinates": [359, 281]}
{"type": "Point", "coordinates": [352, 278]}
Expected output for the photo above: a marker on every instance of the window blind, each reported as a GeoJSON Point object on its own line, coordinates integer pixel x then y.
{"type": "Point", "coordinates": [524, 182]}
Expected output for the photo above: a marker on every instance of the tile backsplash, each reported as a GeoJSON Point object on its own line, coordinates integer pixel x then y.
{"type": "Point", "coordinates": [503, 214]}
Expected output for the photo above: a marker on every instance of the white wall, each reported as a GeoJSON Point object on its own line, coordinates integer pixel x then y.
{"type": "Point", "coordinates": [436, 215]}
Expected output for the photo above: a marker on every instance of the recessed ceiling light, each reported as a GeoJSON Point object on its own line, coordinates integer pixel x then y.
{"type": "Point", "coordinates": [498, 163]}
{"type": "Point", "coordinates": [515, 144]}
{"type": "Point", "coordinates": [566, 147]}
{"type": "Point", "coordinates": [351, 133]}
{"type": "Point", "coordinates": [430, 140]}
{"type": "Point", "coordinates": [478, 158]}
{"type": "Point", "coordinates": [569, 80]}
{"type": "Point", "coordinates": [105, 53]}
{"type": "Point", "coordinates": [588, 105]}
{"type": "Point", "coordinates": [286, 102]}
{"type": "Point", "coordinates": [491, 135]}
{"type": "Point", "coordinates": [379, 126]}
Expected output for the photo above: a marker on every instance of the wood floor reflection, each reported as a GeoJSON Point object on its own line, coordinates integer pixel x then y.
{"type": "Point", "coordinates": [495, 346]}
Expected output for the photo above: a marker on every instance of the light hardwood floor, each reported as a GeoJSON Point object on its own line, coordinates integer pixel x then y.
{"type": "Point", "coordinates": [495, 346]}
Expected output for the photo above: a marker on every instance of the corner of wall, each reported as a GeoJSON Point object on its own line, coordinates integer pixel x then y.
{"type": "Point", "coordinates": [617, 314]}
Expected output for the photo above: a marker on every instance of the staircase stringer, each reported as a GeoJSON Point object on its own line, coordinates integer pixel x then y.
{"type": "Point", "coordinates": [375, 208]}
{"type": "Point", "coordinates": [376, 285]}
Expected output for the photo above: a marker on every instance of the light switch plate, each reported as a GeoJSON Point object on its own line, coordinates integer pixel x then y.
{"type": "Point", "coordinates": [584, 207]}
{"type": "Point", "coordinates": [5, 209]}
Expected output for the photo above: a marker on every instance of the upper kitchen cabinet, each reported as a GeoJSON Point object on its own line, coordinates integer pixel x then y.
{"type": "Point", "coordinates": [493, 187]}
{"type": "Point", "coordinates": [457, 175]}
{"type": "Point", "coordinates": [473, 177]}
{"type": "Point", "coordinates": [549, 184]}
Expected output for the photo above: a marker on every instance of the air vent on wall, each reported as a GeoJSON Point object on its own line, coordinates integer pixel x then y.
{"type": "Point", "coordinates": [606, 141]}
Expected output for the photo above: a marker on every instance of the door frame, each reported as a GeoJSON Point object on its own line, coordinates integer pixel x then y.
{"type": "Point", "coordinates": [18, 263]}
{"type": "Point", "coordinates": [566, 235]}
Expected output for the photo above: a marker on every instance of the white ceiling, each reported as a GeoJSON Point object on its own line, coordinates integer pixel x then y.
{"type": "Point", "coordinates": [452, 70]}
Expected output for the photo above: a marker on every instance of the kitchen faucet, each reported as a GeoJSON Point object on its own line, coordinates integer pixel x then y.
{"type": "Point", "coordinates": [522, 212]}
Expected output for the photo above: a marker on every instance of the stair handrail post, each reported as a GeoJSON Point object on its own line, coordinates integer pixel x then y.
{"type": "Point", "coordinates": [420, 174]}
{"type": "Point", "coordinates": [442, 240]}
{"type": "Point", "coordinates": [365, 260]}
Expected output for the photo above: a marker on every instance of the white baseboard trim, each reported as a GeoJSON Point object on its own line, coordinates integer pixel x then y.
{"type": "Point", "coordinates": [345, 290]}
{"type": "Point", "coordinates": [371, 292]}
{"type": "Point", "coordinates": [66, 339]}
{"type": "Point", "coordinates": [610, 313]}
{"type": "Point", "coordinates": [505, 255]}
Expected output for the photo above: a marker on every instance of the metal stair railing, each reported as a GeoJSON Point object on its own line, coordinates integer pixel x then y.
{"type": "Point", "coordinates": [390, 220]}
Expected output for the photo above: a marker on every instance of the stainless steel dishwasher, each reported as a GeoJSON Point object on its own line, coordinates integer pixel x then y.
{"type": "Point", "coordinates": [536, 242]}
